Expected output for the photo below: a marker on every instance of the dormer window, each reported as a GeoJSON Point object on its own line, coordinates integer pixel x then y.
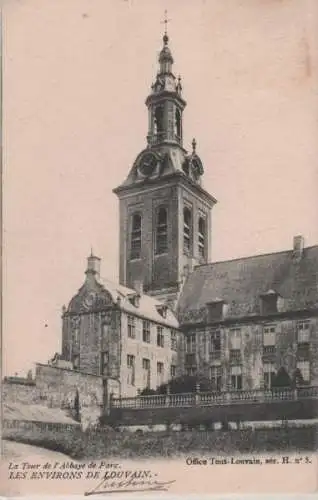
{"type": "Point", "coordinates": [134, 299]}
{"type": "Point", "coordinates": [269, 303]}
{"type": "Point", "coordinates": [215, 310]}
{"type": "Point", "coordinates": [162, 310]}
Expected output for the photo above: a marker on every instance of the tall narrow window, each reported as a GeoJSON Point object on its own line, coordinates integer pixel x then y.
{"type": "Point", "coordinates": [303, 332]}
{"type": "Point", "coordinates": [269, 375]}
{"type": "Point", "coordinates": [215, 344]}
{"type": "Point", "coordinates": [201, 236]}
{"type": "Point", "coordinates": [178, 124]}
{"type": "Point", "coordinates": [187, 219]}
{"type": "Point", "coordinates": [130, 369]}
{"type": "Point", "coordinates": [236, 378]}
{"type": "Point", "coordinates": [174, 341]}
{"type": "Point", "coordinates": [160, 373]}
{"type": "Point", "coordinates": [160, 336]}
{"type": "Point", "coordinates": [146, 372]}
{"type": "Point", "coordinates": [190, 343]}
{"type": "Point", "coordinates": [104, 363]}
{"type": "Point", "coordinates": [135, 247]}
{"type": "Point", "coordinates": [161, 231]}
{"type": "Point", "coordinates": [158, 120]}
{"type": "Point", "coordinates": [131, 320]}
{"type": "Point", "coordinates": [216, 377]}
{"type": "Point", "coordinates": [173, 371]}
{"type": "Point", "coordinates": [146, 331]}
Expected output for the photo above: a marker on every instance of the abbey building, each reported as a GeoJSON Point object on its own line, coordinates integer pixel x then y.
{"type": "Point", "coordinates": [174, 311]}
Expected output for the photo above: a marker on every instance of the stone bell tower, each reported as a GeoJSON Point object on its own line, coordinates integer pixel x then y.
{"type": "Point", "coordinates": [165, 214]}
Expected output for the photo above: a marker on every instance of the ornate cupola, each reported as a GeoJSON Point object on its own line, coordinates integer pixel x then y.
{"type": "Point", "coordinates": [165, 103]}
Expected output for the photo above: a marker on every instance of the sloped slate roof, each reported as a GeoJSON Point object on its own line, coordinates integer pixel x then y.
{"type": "Point", "coordinates": [107, 293]}
{"type": "Point", "coordinates": [35, 413]}
{"type": "Point", "coordinates": [147, 305]}
{"type": "Point", "coordinates": [240, 283]}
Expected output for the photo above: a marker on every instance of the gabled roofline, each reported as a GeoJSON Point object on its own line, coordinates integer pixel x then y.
{"type": "Point", "coordinates": [236, 259]}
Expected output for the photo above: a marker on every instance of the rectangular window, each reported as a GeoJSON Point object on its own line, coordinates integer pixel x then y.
{"type": "Point", "coordinates": [303, 332]}
{"type": "Point", "coordinates": [104, 363]}
{"type": "Point", "coordinates": [216, 377]}
{"type": "Point", "coordinates": [76, 362]}
{"type": "Point", "coordinates": [146, 373]}
{"type": "Point", "coordinates": [215, 311]}
{"type": "Point", "coordinates": [215, 341]}
{"type": "Point", "coordinates": [131, 320]}
{"type": "Point", "coordinates": [76, 336]}
{"type": "Point", "coordinates": [191, 371]}
{"type": "Point", "coordinates": [304, 367]}
{"type": "Point", "coordinates": [173, 335]}
{"type": "Point", "coordinates": [160, 336]}
{"type": "Point", "coordinates": [269, 375]}
{"type": "Point", "coordinates": [173, 371]}
{"type": "Point", "coordinates": [201, 236]}
{"type": "Point", "coordinates": [236, 378]}
{"type": "Point", "coordinates": [146, 331]}
{"type": "Point", "coordinates": [187, 230]}
{"type": "Point", "coordinates": [190, 359]}
{"type": "Point", "coordinates": [269, 335]}
{"type": "Point", "coordinates": [190, 343]}
{"type": "Point", "coordinates": [130, 369]}
{"type": "Point", "coordinates": [135, 238]}
{"type": "Point", "coordinates": [161, 231]}
{"type": "Point", "coordinates": [269, 304]}
{"type": "Point", "coordinates": [235, 338]}
{"type": "Point", "coordinates": [160, 373]}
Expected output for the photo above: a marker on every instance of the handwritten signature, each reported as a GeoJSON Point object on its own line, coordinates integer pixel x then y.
{"type": "Point", "coordinates": [129, 481]}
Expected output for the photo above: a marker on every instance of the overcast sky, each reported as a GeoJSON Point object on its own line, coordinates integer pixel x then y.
{"type": "Point", "coordinates": [76, 75]}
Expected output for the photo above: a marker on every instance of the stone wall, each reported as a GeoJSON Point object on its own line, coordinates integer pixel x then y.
{"type": "Point", "coordinates": [19, 393]}
{"type": "Point", "coordinates": [57, 387]}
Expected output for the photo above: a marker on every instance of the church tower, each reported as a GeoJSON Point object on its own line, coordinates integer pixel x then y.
{"type": "Point", "coordinates": [165, 214]}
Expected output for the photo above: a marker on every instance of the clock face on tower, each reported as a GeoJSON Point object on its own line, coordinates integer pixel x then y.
{"type": "Point", "coordinates": [147, 164]}
{"type": "Point", "coordinates": [89, 300]}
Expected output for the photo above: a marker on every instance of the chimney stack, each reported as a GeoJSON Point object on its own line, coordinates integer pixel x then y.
{"type": "Point", "coordinates": [298, 247]}
{"type": "Point", "coordinates": [138, 287]}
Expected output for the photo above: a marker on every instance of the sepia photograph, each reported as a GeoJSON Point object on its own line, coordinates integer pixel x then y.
{"type": "Point", "coordinates": [160, 247]}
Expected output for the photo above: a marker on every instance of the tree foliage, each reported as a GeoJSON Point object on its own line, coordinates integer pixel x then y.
{"type": "Point", "coordinates": [282, 379]}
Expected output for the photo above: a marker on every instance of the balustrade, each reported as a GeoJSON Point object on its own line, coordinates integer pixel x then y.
{"type": "Point", "coordinates": [215, 398]}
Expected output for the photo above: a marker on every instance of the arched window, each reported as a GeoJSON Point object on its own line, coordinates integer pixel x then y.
{"type": "Point", "coordinates": [135, 241]}
{"type": "Point", "coordinates": [161, 231]}
{"type": "Point", "coordinates": [159, 119]}
{"type": "Point", "coordinates": [178, 123]}
{"type": "Point", "coordinates": [187, 220]}
{"type": "Point", "coordinates": [201, 236]}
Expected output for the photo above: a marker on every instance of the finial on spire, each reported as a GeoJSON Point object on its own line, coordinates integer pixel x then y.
{"type": "Point", "coordinates": [92, 255]}
{"type": "Point", "coordinates": [165, 22]}
{"type": "Point", "coordinates": [194, 145]}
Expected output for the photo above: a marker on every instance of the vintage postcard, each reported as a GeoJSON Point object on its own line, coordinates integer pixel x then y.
{"type": "Point", "coordinates": [160, 247]}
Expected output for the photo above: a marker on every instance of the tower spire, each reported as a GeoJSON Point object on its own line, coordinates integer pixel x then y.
{"type": "Point", "coordinates": [165, 22]}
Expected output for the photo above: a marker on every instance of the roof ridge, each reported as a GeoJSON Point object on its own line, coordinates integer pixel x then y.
{"type": "Point", "coordinates": [250, 257]}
